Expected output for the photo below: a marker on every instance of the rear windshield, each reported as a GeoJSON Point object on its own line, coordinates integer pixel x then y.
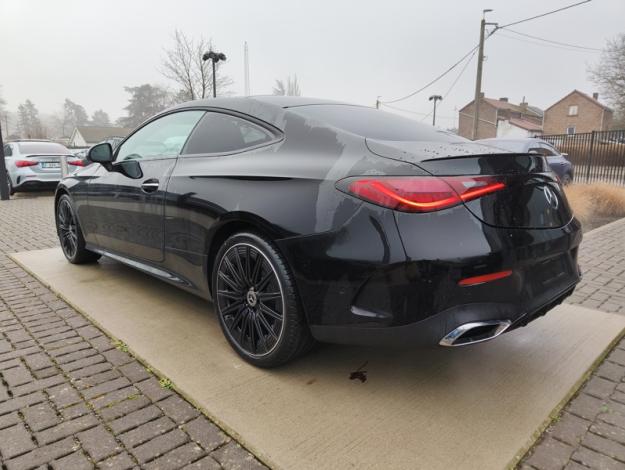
{"type": "Point", "coordinates": [42, 147]}
{"type": "Point", "coordinates": [510, 145]}
{"type": "Point", "coordinates": [375, 124]}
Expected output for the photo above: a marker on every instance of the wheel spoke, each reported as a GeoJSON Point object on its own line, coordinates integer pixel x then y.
{"type": "Point", "coordinates": [223, 276]}
{"type": "Point", "coordinates": [239, 268]}
{"type": "Point", "coordinates": [235, 275]}
{"type": "Point", "coordinates": [268, 327]}
{"type": "Point", "coordinates": [268, 296]}
{"type": "Point", "coordinates": [232, 307]}
{"type": "Point", "coordinates": [229, 294]}
{"type": "Point", "coordinates": [258, 263]}
{"type": "Point", "coordinates": [265, 280]}
{"type": "Point", "coordinates": [272, 313]}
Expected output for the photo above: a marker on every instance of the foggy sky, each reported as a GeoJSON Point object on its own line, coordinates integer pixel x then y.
{"type": "Point", "coordinates": [347, 50]}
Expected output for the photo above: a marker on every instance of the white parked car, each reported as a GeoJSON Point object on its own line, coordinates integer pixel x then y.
{"type": "Point", "coordinates": [35, 164]}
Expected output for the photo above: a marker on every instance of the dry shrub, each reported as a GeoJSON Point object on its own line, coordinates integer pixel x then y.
{"type": "Point", "coordinates": [596, 200]}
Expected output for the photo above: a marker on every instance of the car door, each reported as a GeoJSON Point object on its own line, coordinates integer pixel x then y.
{"type": "Point", "coordinates": [126, 204]}
{"type": "Point", "coordinates": [220, 150]}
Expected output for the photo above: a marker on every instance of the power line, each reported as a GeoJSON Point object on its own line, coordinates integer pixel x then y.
{"type": "Point", "coordinates": [477, 46]}
{"type": "Point", "coordinates": [554, 42]}
{"type": "Point", "coordinates": [455, 81]}
{"type": "Point", "coordinates": [544, 14]}
{"type": "Point", "coordinates": [434, 80]}
{"type": "Point", "coordinates": [549, 45]}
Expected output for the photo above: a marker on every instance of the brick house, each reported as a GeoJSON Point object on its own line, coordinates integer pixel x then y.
{"type": "Point", "coordinates": [577, 112]}
{"type": "Point", "coordinates": [500, 118]}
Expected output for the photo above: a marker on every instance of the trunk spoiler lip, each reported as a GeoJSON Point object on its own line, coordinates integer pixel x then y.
{"type": "Point", "coordinates": [30, 155]}
{"type": "Point", "coordinates": [400, 150]}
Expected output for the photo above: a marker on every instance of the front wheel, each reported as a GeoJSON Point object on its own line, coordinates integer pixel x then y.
{"type": "Point", "coordinates": [566, 179]}
{"type": "Point", "coordinates": [70, 233]}
{"type": "Point", "coordinates": [256, 302]}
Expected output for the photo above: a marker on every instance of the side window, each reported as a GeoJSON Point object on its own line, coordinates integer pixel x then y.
{"type": "Point", "coordinates": [222, 133]}
{"type": "Point", "coordinates": [8, 151]}
{"type": "Point", "coordinates": [163, 137]}
{"type": "Point", "coordinates": [547, 151]}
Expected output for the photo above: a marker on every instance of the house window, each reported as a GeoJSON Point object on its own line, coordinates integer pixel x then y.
{"type": "Point", "coordinates": [573, 110]}
{"type": "Point", "coordinates": [570, 130]}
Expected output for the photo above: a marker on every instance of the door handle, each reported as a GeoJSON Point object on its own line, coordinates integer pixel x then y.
{"type": "Point", "coordinates": [150, 185]}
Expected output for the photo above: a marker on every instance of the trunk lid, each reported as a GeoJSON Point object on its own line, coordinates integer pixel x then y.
{"type": "Point", "coordinates": [532, 197]}
{"type": "Point", "coordinates": [46, 163]}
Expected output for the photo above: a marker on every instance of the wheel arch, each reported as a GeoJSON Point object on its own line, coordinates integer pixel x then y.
{"type": "Point", "coordinates": [229, 225]}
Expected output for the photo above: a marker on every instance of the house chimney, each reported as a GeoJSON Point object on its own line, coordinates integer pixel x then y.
{"type": "Point", "coordinates": [595, 95]}
{"type": "Point", "coordinates": [504, 99]}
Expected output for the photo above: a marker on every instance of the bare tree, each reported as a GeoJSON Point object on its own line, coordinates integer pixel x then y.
{"type": "Point", "coordinates": [184, 66]}
{"type": "Point", "coordinates": [609, 76]}
{"type": "Point", "coordinates": [290, 88]}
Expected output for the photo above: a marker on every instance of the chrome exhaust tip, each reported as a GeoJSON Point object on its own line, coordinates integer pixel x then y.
{"type": "Point", "coordinates": [475, 332]}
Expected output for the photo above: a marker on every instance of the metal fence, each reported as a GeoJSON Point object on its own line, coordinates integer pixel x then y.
{"type": "Point", "coordinates": [596, 156]}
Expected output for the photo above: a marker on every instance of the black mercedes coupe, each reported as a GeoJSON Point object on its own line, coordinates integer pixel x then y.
{"type": "Point", "coordinates": [306, 219]}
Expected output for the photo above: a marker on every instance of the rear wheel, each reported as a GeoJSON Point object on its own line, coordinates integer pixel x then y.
{"type": "Point", "coordinates": [70, 233]}
{"type": "Point", "coordinates": [256, 302]}
{"type": "Point", "coordinates": [11, 188]}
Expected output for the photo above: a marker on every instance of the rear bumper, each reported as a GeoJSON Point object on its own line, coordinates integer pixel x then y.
{"type": "Point", "coordinates": [432, 330]}
{"type": "Point", "coordinates": [393, 278]}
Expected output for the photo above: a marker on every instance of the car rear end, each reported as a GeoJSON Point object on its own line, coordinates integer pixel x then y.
{"type": "Point", "coordinates": [490, 241]}
{"type": "Point", "coordinates": [37, 165]}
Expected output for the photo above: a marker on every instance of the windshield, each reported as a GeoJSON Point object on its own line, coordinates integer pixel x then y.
{"type": "Point", "coordinates": [375, 124]}
{"type": "Point", "coordinates": [42, 147]}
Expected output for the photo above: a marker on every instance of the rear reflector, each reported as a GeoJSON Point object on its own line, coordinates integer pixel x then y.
{"type": "Point", "coordinates": [24, 163]}
{"type": "Point", "coordinates": [421, 193]}
{"type": "Point", "coordinates": [472, 281]}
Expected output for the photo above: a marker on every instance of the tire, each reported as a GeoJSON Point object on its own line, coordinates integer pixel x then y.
{"type": "Point", "coordinates": [70, 234]}
{"type": "Point", "coordinates": [256, 302]}
{"type": "Point", "coordinates": [11, 188]}
{"type": "Point", "coordinates": [567, 179]}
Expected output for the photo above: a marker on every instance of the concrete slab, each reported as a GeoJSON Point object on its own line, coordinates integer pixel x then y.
{"type": "Point", "coordinates": [471, 407]}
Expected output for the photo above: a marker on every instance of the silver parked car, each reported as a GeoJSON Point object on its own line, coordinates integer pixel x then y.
{"type": "Point", "coordinates": [35, 164]}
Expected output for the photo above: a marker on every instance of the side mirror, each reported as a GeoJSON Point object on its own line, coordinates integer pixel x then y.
{"type": "Point", "coordinates": [101, 153]}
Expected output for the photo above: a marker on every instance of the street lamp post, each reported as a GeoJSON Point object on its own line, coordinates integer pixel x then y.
{"type": "Point", "coordinates": [214, 57]}
{"type": "Point", "coordinates": [435, 98]}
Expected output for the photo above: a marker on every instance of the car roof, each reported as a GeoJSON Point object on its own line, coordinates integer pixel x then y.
{"type": "Point", "coordinates": [268, 108]}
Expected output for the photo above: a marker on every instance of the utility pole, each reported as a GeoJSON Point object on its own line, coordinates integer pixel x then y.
{"type": "Point", "coordinates": [478, 79]}
{"type": "Point", "coordinates": [4, 182]}
{"type": "Point", "coordinates": [246, 67]}
{"type": "Point", "coordinates": [435, 98]}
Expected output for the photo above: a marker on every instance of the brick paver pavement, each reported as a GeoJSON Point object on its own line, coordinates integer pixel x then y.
{"type": "Point", "coordinates": [71, 399]}
{"type": "Point", "coordinates": [590, 431]}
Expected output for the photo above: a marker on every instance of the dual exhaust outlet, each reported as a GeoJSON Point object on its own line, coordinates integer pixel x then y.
{"type": "Point", "coordinates": [475, 332]}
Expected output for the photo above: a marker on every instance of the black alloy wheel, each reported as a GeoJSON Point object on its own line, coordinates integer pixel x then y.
{"type": "Point", "coordinates": [256, 302]}
{"type": "Point", "coordinates": [70, 234]}
{"type": "Point", "coordinates": [67, 228]}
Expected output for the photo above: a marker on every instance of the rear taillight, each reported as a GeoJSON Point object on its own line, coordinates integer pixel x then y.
{"type": "Point", "coordinates": [76, 163]}
{"type": "Point", "coordinates": [25, 163]}
{"type": "Point", "coordinates": [420, 193]}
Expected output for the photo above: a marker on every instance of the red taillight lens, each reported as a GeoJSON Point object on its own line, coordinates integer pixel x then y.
{"type": "Point", "coordinates": [76, 163]}
{"type": "Point", "coordinates": [422, 193]}
{"type": "Point", "coordinates": [24, 163]}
